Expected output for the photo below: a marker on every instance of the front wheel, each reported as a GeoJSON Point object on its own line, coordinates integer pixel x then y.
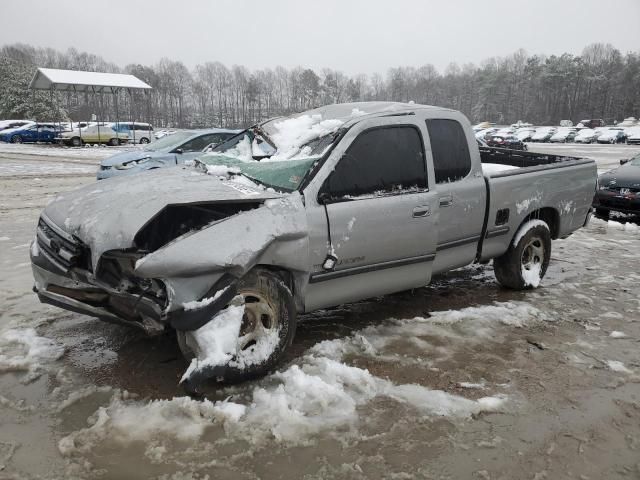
{"type": "Point", "coordinates": [16, 139]}
{"type": "Point", "coordinates": [144, 140]}
{"type": "Point", "coordinates": [525, 263]}
{"type": "Point", "coordinates": [113, 142]}
{"type": "Point", "coordinates": [76, 142]}
{"type": "Point", "coordinates": [267, 329]}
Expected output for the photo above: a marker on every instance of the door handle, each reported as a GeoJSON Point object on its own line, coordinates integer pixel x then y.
{"type": "Point", "coordinates": [421, 211]}
{"type": "Point", "coordinates": [446, 201]}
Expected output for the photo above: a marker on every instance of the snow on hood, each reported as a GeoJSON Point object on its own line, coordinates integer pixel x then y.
{"type": "Point", "coordinates": [107, 215]}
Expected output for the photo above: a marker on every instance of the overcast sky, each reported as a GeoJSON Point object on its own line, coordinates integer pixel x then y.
{"type": "Point", "coordinates": [350, 35]}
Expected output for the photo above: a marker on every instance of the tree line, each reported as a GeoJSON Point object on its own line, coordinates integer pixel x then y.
{"type": "Point", "coordinates": [602, 82]}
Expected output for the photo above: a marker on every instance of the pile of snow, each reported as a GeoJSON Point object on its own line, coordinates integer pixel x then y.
{"type": "Point", "coordinates": [291, 134]}
{"type": "Point", "coordinates": [23, 350]}
{"type": "Point", "coordinates": [617, 334]}
{"type": "Point", "coordinates": [319, 395]}
{"type": "Point", "coordinates": [490, 168]}
{"type": "Point", "coordinates": [617, 366]}
{"type": "Point", "coordinates": [627, 226]}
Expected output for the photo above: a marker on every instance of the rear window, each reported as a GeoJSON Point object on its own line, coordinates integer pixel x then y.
{"type": "Point", "coordinates": [451, 160]}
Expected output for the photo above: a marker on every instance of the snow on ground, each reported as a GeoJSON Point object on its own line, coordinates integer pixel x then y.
{"type": "Point", "coordinates": [47, 150]}
{"type": "Point", "coordinates": [22, 350]}
{"type": "Point", "coordinates": [320, 394]}
{"type": "Point", "coordinates": [35, 168]}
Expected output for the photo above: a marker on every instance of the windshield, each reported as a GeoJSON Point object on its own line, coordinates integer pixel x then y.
{"type": "Point", "coordinates": [169, 142]}
{"type": "Point", "coordinates": [635, 161]}
{"type": "Point", "coordinates": [284, 175]}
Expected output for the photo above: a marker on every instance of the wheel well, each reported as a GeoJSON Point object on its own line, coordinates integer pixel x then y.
{"type": "Point", "coordinates": [283, 273]}
{"type": "Point", "coordinates": [548, 215]}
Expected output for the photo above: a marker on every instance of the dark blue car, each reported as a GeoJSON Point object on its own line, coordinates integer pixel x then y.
{"type": "Point", "coordinates": [31, 133]}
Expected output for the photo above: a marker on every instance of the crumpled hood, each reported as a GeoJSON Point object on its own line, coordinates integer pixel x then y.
{"type": "Point", "coordinates": [120, 158]}
{"type": "Point", "coordinates": [107, 215]}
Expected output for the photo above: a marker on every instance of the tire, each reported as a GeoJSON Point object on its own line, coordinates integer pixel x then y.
{"type": "Point", "coordinates": [268, 301]}
{"type": "Point", "coordinates": [16, 139]}
{"type": "Point", "coordinates": [76, 142]}
{"type": "Point", "coordinates": [144, 140]}
{"type": "Point", "coordinates": [532, 251]}
{"type": "Point", "coordinates": [113, 142]}
{"type": "Point", "coordinates": [602, 213]}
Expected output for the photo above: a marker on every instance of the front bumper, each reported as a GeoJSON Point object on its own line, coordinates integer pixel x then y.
{"type": "Point", "coordinates": [617, 202]}
{"type": "Point", "coordinates": [79, 291]}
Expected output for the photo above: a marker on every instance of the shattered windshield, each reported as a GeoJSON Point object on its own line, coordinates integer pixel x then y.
{"type": "Point", "coordinates": [285, 175]}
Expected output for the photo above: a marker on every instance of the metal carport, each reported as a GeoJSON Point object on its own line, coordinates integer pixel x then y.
{"type": "Point", "coordinates": [96, 83]}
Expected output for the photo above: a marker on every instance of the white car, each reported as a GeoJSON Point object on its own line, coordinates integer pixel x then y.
{"type": "Point", "coordinates": [563, 135]}
{"type": "Point", "coordinates": [138, 132]}
{"type": "Point", "coordinates": [612, 135]}
{"type": "Point", "coordinates": [587, 135]}
{"type": "Point", "coordinates": [543, 134]}
{"type": "Point", "coordinates": [525, 134]}
{"type": "Point", "coordinates": [633, 136]}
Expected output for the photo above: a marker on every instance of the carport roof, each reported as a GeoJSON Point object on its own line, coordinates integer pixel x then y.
{"type": "Point", "coordinates": [79, 81]}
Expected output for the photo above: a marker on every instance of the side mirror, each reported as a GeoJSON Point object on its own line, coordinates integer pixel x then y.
{"type": "Point", "coordinates": [623, 161]}
{"type": "Point", "coordinates": [179, 150]}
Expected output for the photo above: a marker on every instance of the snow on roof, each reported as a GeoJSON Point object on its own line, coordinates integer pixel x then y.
{"type": "Point", "coordinates": [78, 81]}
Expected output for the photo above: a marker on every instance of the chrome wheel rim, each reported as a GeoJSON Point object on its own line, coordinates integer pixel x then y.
{"type": "Point", "coordinates": [533, 254]}
{"type": "Point", "coordinates": [259, 319]}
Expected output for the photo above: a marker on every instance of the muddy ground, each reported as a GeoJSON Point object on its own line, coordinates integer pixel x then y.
{"type": "Point", "coordinates": [461, 379]}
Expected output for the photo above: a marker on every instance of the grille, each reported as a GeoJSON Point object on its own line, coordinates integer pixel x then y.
{"type": "Point", "coordinates": [63, 250]}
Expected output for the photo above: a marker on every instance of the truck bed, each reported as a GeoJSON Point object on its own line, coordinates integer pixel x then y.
{"type": "Point", "coordinates": [555, 188]}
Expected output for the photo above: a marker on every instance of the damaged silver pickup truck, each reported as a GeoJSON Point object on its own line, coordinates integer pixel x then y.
{"type": "Point", "coordinates": [329, 206]}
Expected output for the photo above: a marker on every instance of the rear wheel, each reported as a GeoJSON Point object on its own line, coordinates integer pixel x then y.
{"type": "Point", "coordinates": [76, 142]}
{"type": "Point", "coordinates": [525, 263]}
{"type": "Point", "coordinates": [268, 326]}
{"type": "Point", "coordinates": [603, 213]}
{"type": "Point", "coordinates": [113, 142]}
{"type": "Point", "coordinates": [144, 140]}
{"type": "Point", "coordinates": [16, 139]}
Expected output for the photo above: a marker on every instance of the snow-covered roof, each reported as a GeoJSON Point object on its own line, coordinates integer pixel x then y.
{"type": "Point", "coordinates": [78, 81]}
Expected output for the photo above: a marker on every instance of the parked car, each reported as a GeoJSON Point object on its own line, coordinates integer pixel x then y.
{"type": "Point", "coordinates": [95, 134]}
{"type": "Point", "coordinates": [525, 134]}
{"type": "Point", "coordinates": [587, 135]}
{"type": "Point", "coordinates": [506, 141]}
{"type": "Point", "coordinates": [612, 135]}
{"type": "Point", "coordinates": [486, 133]}
{"type": "Point", "coordinates": [564, 135]}
{"type": "Point", "coordinates": [168, 151]}
{"type": "Point", "coordinates": [619, 189]}
{"type": "Point", "coordinates": [138, 132]}
{"type": "Point", "coordinates": [629, 122]}
{"type": "Point", "coordinates": [31, 133]}
{"type": "Point", "coordinates": [592, 123]}
{"type": "Point", "coordinates": [163, 133]}
{"type": "Point", "coordinates": [7, 124]}
{"type": "Point", "coordinates": [543, 134]}
{"type": "Point", "coordinates": [255, 243]}
{"type": "Point", "coordinates": [633, 136]}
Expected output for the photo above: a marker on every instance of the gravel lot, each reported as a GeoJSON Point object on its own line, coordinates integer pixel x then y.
{"type": "Point", "coordinates": [461, 379]}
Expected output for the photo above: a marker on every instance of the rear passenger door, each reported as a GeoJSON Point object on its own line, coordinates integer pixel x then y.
{"type": "Point", "coordinates": [461, 193]}
{"type": "Point", "coordinates": [381, 214]}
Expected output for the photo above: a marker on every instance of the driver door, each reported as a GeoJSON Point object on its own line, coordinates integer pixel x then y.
{"type": "Point", "coordinates": [381, 213]}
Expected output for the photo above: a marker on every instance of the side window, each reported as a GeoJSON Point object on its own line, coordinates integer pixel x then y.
{"type": "Point", "coordinates": [451, 160]}
{"type": "Point", "coordinates": [197, 144]}
{"type": "Point", "coordinates": [379, 161]}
